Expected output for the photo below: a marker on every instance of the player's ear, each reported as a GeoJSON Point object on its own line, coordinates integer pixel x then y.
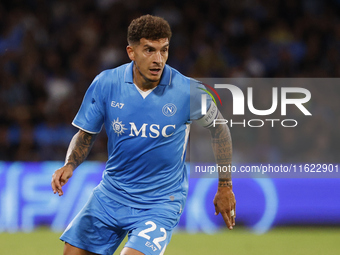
{"type": "Point", "coordinates": [131, 53]}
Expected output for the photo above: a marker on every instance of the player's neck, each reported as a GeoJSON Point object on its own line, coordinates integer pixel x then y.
{"type": "Point", "coordinates": [141, 81]}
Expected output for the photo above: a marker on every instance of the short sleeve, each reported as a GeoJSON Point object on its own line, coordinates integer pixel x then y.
{"type": "Point", "coordinates": [90, 116]}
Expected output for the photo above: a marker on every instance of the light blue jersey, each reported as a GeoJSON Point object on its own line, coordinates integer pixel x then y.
{"type": "Point", "coordinates": [147, 137]}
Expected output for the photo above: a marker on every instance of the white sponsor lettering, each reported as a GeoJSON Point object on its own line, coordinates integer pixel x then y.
{"type": "Point", "coordinates": [134, 128]}
{"type": "Point", "coordinates": [165, 128]}
{"type": "Point", "coordinates": [154, 130]}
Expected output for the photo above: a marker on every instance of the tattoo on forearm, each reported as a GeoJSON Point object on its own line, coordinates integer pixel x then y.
{"type": "Point", "coordinates": [222, 147]}
{"type": "Point", "coordinates": [79, 148]}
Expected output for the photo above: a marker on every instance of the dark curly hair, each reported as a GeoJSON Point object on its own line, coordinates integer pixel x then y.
{"type": "Point", "coordinates": [148, 27]}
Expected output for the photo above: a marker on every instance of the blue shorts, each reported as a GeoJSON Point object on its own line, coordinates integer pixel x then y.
{"type": "Point", "coordinates": [103, 223]}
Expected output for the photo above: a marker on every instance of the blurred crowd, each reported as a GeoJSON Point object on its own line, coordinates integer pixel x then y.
{"type": "Point", "coordinates": [50, 51]}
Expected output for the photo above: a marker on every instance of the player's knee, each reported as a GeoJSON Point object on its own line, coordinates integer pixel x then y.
{"type": "Point", "coordinates": [71, 250]}
{"type": "Point", "coordinates": [66, 249]}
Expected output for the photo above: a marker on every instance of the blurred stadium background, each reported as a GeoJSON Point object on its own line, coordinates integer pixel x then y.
{"type": "Point", "coordinates": [51, 50]}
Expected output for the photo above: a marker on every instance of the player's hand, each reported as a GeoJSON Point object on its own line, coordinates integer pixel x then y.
{"type": "Point", "coordinates": [60, 178]}
{"type": "Point", "coordinates": [225, 204]}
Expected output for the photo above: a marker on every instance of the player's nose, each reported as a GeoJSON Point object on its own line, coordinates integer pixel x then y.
{"type": "Point", "coordinates": [158, 57]}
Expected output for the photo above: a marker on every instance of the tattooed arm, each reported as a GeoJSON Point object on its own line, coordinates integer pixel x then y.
{"type": "Point", "coordinates": [224, 200]}
{"type": "Point", "coordinates": [77, 152]}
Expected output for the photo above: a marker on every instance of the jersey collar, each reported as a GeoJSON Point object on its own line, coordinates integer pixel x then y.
{"type": "Point", "coordinates": [165, 79]}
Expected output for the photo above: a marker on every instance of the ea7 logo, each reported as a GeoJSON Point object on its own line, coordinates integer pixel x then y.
{"type": "Point", "coordinates": [150, 245]}
{"type": "Point", "coordinates": [238, 100]}
{"type": "Point", "coordinates": [153, 131]}
{"type": "Point", "coordinates": [116, 104]}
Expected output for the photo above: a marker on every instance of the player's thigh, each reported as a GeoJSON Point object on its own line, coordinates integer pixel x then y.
{"type": "Point", "coordinates": [72, 250]}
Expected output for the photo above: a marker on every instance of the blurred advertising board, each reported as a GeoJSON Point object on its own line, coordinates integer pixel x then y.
{"type": "Point", "coordinates": [27, 201]}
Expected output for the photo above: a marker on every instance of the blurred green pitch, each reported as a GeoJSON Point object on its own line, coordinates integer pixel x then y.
{"type": "Point", "coordinates": [240, 241]}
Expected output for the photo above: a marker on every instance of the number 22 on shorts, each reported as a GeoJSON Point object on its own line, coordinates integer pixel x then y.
{"type": "Point", "coordinates": [157, 240]}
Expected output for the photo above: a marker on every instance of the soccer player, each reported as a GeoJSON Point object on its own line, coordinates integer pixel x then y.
{"type": "Point", "coordinates": [146, 107]}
